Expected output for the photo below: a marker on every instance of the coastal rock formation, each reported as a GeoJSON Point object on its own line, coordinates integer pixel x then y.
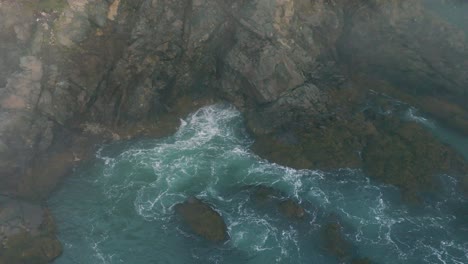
{"type": "Point", "coordinates": [264, 196]}
{"type": "Point", "coordinates": [27, 233]}
{"type": "Point", "coordinates": [336, 244]}
{"type": "Point", "coordinates": [73, 73]}
{"type": "Point", "coordinates": [127, 63]}
{"type": "Point", "coordinates": [202, 219]}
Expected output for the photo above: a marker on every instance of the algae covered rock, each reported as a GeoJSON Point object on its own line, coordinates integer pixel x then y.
{"type": "Point", "coordinates": [27, 234]}
{"type": "Point", "coordinates": [264, 196]}
{"type": "Point", "coordinates": [291, 209]}
{"type": "Point", "coordinates": [334, 240]}
{"type": "Point", "coordinates": [202, 219]}
{"type": "Point", "coordinates": [336, 244]}
{"type": "Point", "coordinates": [404, 154]}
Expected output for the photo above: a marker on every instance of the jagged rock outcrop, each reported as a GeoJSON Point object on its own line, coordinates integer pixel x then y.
{"type": "Point", "coordinates": [82, 71]}
{"type": "Point", "coordinates": [27, 233]}
{"type": "Point", "coordinates": [90, 62]}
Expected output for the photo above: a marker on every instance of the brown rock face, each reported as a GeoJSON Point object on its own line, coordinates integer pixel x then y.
{"type": "Point", "coordinates": [408, 156]}
{"type": "Point", "coordinates": [202, 219]}
{"type": "Point", "coordinates": [27, 234]}
{"type": "Point", "coordinates": [284, 63]}
{"type": "Point", "coordinates": [294, 67]}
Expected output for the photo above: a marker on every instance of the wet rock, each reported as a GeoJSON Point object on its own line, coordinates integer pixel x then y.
{"type": "Point", "coordinates": [202, 219]}
{"type": "Point", "coordinates": [262, 195]}
{"type": "Point", "coordinates": [416, 60]}
{"type": "Point", "coordinates": [411, 159]}
{"type": "Point", "coordinates": [291, 66]}
{"type": "Point", "coordinates": [27, 233]}
{"type": "Point", "coordinates": [446, 112]}
{"type": "Point", "coordinates": [293, 105]}
{"type": "Point", "coordinates": [291, 209]}
{"type": "Point", "coordinates": [99, 63]}
{"type": "Point", "coordinates": [267, 196]}
{"type": "Point", "coordinates": [335, 242]}
{"type": "Point", "coordinates": [325, 145]}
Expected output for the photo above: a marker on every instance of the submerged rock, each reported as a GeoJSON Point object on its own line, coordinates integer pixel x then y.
{"type": "Point", "coordinates": [291, 209]}
{"type": "Point", "coordinates": [337, 245]}
{"type": "Point", "coordinates": [268, 196]}
{"type": "Point", "coordinates": [262, 194]}
{"type": "Point", "coordinates": [335, 242]}
{"type": "Point", "coordinates": [202, 219]}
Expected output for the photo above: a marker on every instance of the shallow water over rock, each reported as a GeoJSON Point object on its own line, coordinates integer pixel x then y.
{"type": "Point", "coordinates": [120, 207]}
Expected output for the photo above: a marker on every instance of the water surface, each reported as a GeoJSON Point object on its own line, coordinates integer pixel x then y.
{"type": "Point", "coordinates": [119, 207]}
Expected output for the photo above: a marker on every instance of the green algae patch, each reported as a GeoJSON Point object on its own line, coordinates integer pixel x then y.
{"type": "Point", "coordinates": [407, 156]}
{"type": "Point", "coordinates": [25, 247]}
{"type": "Point", "coordinates": [387, 148]}
{"type": "Point", "coordinates": [331, 146]}
{"type": "Point", "coordinates": [334, 241]}
{"type": "Point", "coordinates": [336, 244]}
{"type": "Point", "coordinates": [47, 5]}
{"type": "Point", "coordinates": [276, 151]}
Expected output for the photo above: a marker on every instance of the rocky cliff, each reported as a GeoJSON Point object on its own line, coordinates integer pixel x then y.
{"type": "Point", "coordinates": [307, 74]}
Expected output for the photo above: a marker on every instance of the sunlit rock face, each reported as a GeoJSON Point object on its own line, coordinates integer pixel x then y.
{"type": "Point", "coordinates": [75, 72]}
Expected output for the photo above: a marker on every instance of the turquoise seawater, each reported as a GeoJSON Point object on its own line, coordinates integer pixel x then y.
{"type": "Point", "coordinates": [118, 208]}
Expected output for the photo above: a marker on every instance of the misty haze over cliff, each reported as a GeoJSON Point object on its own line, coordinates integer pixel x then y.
{"type": "Point", "coordinates": [240, 131]}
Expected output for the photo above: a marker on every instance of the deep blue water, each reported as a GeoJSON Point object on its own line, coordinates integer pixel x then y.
{"type": "Point", "coordinates": [118, 207]}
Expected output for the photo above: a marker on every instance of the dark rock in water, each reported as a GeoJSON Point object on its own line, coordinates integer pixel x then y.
{"type": "Point", "coordinates": [291, 209]}
{"type": "Point", "coordinates": [337, 245]}
{"type": "Point", "coordinates": [264, 196]}
{"type": "Point", "coordinates": [335, 242]}
{"type": "Point", "coordinates": [202, 219]}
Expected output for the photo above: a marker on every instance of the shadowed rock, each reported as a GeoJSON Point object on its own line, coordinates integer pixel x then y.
{"type": "Point", "coordinates": [336, 244]}
{"type": "Point", "coordinates": [291, 209]}
{"type": "Point", "coordinates": [27, 234]}
{"type": "Point", "coordinates": [65, 64]}
{"type": "Point", "coordinates": [264, 196]}
{"type": "Point", "coordinates": [411, 159]}
{"type": "Point", "coordinates": [202, 219]}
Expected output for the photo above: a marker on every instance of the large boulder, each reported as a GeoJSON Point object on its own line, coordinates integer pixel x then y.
{"type": "Point", "coordinates": [202, 219]}
{"type": "Point", "coordinates": [27, 234]}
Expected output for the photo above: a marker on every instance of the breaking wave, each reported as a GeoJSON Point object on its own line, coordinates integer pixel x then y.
{"type": "Point", "coordinates": [118, 209]}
